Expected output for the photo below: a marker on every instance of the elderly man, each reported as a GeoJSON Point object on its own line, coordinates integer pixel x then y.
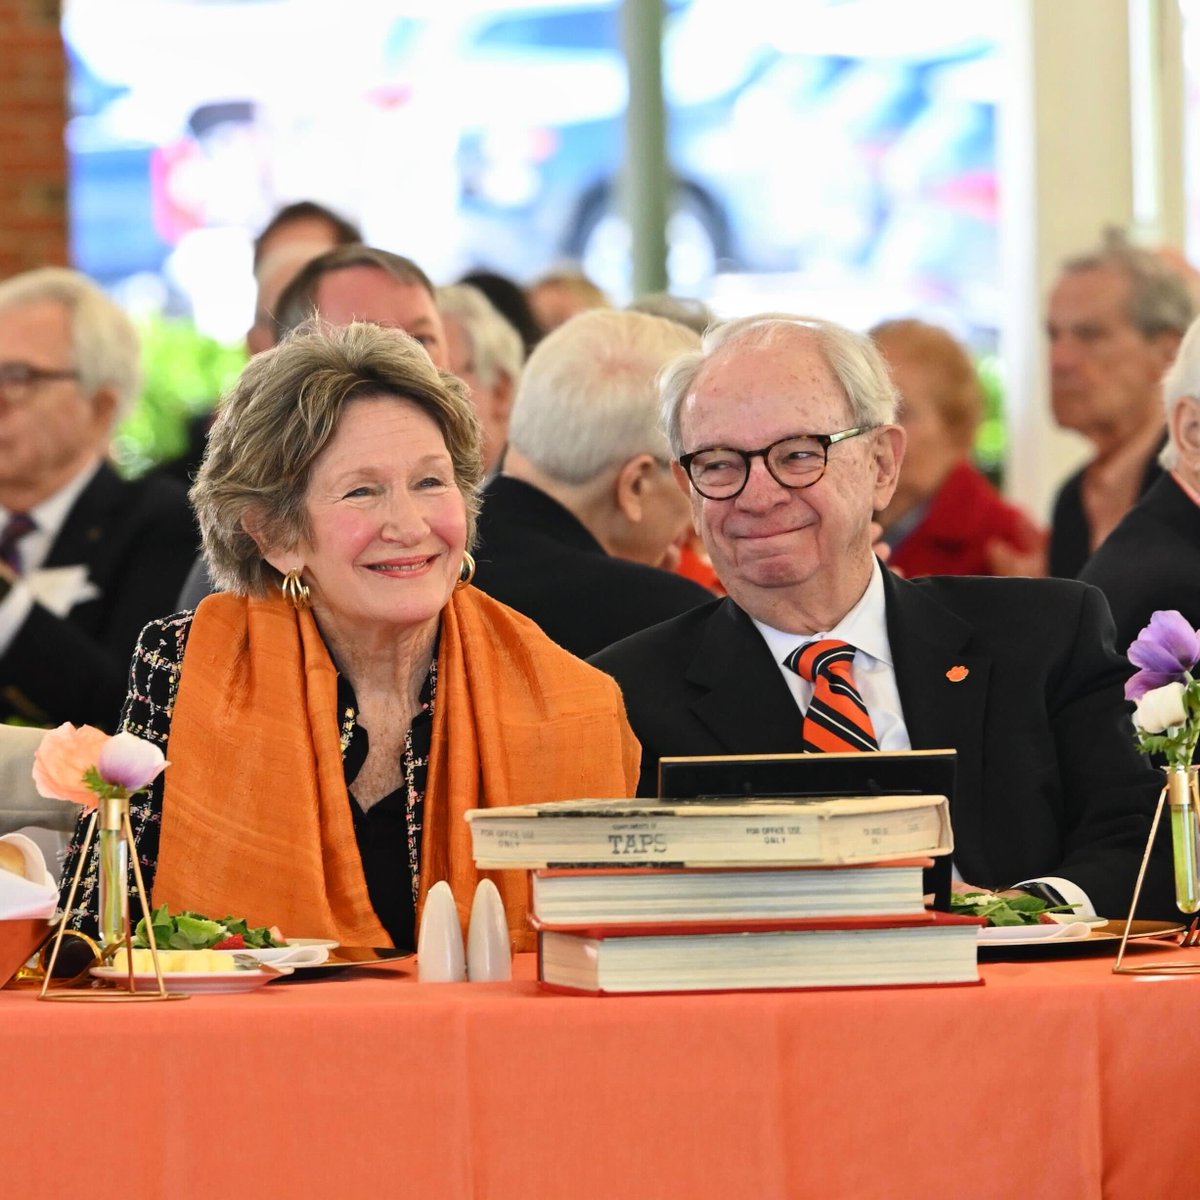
{"type": "Point", "coordinates": [86, 559]}
{"type": "Point", "coordinates": [486, 353]}
{"type": "Point", "coordinates": [574, 531]}
{"type": "Point", "coordinates": [783, 429]}
{"type": "Point", "coordinates": [1114, 322]}
{"type": "Point", "coordinates": [1152, 559]}
{"type": "Point", "coordinates": [361, 283]}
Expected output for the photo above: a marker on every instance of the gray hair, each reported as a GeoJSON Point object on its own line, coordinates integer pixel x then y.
{"type": "Point", "coordinates": [686, 310]}
{"type": "Point", "coordinates": [587, 400]}
{"type": "Point", "coordinates": [1159, 298]}
{"type": "Point", "coordinates": [852, 357]}
{"type": "Point", "coordinates": [1181, 380]}
{"type": "Point", "coordinates": [298, 303]}
{"type": "Point", "coordinates": [282, 412]}
{"type": "Point", "coordinates": [495, 346]}
{"type": "Point", "coordinates": [104, 340]}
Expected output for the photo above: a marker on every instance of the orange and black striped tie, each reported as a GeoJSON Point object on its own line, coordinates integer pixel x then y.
{"type": "Point", "coordinates": [837, 719]}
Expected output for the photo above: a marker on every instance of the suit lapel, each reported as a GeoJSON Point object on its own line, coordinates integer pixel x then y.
{"type": "Point", "coordinates": [82, 536]}
{"type": "Point", "coordinates": [744, 701]}
{"type": "Point", "coordinates": [943, 692]}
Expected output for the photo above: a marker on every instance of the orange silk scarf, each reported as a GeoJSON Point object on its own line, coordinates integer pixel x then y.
{"type": "Point", "coordinates": [256, 819]}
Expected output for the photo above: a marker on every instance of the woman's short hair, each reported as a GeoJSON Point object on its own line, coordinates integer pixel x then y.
{"type": "Point", "coordinates": [852, 357]}
{"type": "Point", "coordinates": [587, 400]}
{"type": "Point", "coordinates": [954, 383]}
{"type": "Point", "coordinates": [104, 340]}
{"type": "Point", "coordinates": [282, 412]}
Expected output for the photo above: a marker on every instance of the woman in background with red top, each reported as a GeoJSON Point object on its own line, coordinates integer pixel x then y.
{"type": "Point", "coordinates": [945, 518]}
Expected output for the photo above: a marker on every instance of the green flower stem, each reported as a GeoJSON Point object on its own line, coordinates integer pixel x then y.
{"type": "Point", "coordinates": [1185, 842]}
{"type": "Point", "coordinates": [113, 902]}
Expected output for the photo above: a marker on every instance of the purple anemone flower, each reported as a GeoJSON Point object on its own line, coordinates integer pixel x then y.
{"type": "Point", "coordinates": [130, 762]}
{"type": "Point", "coordinates": [1163, 651]}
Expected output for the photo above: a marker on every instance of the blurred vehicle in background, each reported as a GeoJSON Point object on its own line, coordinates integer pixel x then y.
{"type": "Point", "coordinates": [840, 150]}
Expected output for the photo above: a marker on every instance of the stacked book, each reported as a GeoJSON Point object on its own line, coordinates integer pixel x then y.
{"type": "Point", "coordinates": [711, 895]}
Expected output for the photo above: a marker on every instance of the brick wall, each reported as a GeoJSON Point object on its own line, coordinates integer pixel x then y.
{"type": "Point", "coordinates": [33, 113]}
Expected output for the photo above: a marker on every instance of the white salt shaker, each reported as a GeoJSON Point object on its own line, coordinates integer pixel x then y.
{"type": "Point", "coordinates": [489, 954]}
{"type": "Point", "coordinates": [440, 957]}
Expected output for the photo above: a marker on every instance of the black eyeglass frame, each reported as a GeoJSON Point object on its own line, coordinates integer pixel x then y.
{"type": "Point", "coordinates": [21, 377]}
{"type": "Point", "coordinates": [825, 440]}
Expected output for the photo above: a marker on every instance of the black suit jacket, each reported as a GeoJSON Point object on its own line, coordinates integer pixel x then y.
{"type": "Point", "coordinates": [1150, 561]}
{"type": "Point", "coordinates": [1070, 537]}
{"type": "Point", "coordinates": [536, 557]}
{"type": "Point", "coordinates": [137, 540]}
{"type": "Point", "coordinates": [1048, 781]}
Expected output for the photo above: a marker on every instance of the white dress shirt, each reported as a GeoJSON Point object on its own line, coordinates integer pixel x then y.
{"type": "Point", "coordinates": [49, 516]}
{"type": "Point", "coordinates": [865, 628]}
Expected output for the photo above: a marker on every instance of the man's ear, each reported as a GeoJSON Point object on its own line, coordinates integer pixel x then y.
{"type": "Point", "coordinates": [1166, 346]}
{"type": "Point", "coordinates": [685, 486]}
{"type": "Point", "coordinates": [630, 484]}
{"type": "Point", "coordinates": [681, 478]}
{"type": "Point", "coordinates": [104, 410]}
{"type": "Point", "coordinates": [887, 456]}
{"type": "Point", "coordinates": [503, 389]}
{"type": "Point", "coordinates": [1185, 431]}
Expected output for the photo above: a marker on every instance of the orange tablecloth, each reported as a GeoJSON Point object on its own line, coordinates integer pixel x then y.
{"type": "Point", "coordinates": [1056, 1079]}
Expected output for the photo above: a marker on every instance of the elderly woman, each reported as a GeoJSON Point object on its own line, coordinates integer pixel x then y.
{"type": "Point", "coordinates": [331, 715]}
{"type": "Point", "coordinates": [945, 517]}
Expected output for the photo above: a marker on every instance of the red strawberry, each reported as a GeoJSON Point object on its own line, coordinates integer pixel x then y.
{"type": "Point", "coordinates": [233, 941]}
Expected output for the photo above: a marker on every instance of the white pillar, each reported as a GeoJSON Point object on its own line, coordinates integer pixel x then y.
{"type": "Point", "coordinates": [1067, 169]}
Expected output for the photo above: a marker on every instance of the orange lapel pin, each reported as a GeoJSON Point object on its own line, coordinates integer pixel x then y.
{"type": "Point", "coordinates": [957, 674]}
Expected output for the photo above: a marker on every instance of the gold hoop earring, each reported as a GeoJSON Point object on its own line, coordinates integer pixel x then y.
{"type": "Point", "coordinates": [295, 592]}
{"type": "Point", "coordinates": [466, 572]}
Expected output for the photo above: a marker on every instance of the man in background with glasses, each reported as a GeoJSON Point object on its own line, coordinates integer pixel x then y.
{"type": "Point", "coordinates": [86, 558]}
{"type": "Point", "coordinates": [785, 438]}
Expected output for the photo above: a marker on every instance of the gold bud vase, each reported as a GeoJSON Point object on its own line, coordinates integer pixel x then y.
{"type": "Point", "coordinates": [113, 863]}
{"type": "Point", "coordinates": [1183, 797]}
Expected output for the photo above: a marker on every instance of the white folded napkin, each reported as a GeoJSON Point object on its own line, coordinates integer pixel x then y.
{"type": "Point", "coordinates": [22, 898]}
{"type": "Point", "coordinates": [290, 956]}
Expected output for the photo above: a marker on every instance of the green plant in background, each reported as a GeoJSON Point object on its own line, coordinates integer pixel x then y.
{"type": "Point", "coordinates": [991, 442]}
{"type": "Point", "coordinates": [185, 374]}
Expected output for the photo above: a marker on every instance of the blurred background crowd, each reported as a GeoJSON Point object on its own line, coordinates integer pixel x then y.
{"type": "Point", "coordinates": [461, 172]}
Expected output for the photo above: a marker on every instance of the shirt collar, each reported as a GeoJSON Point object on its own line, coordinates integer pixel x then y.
{"type": "Point", "coordinates": [864, 627]}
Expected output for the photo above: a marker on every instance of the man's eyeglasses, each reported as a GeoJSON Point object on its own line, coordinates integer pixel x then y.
{"type": "Point", "coordinates": [721, 472]}
{"type": "Point", "coordinates": [18, 379]}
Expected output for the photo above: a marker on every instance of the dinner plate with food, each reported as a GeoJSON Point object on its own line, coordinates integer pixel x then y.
{"type": "Point", "coordinates": [191, 971]}
{"type": "Point", "coordinates": [1028, 922]}
{"type": "Point", "coordinates": [198, 953]}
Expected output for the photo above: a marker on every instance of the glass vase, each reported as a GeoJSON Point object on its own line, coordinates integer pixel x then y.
{"type": "Point", "coordinates": [113, 913]}
{"type": "Point", "coordinates": [1183, 796]}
